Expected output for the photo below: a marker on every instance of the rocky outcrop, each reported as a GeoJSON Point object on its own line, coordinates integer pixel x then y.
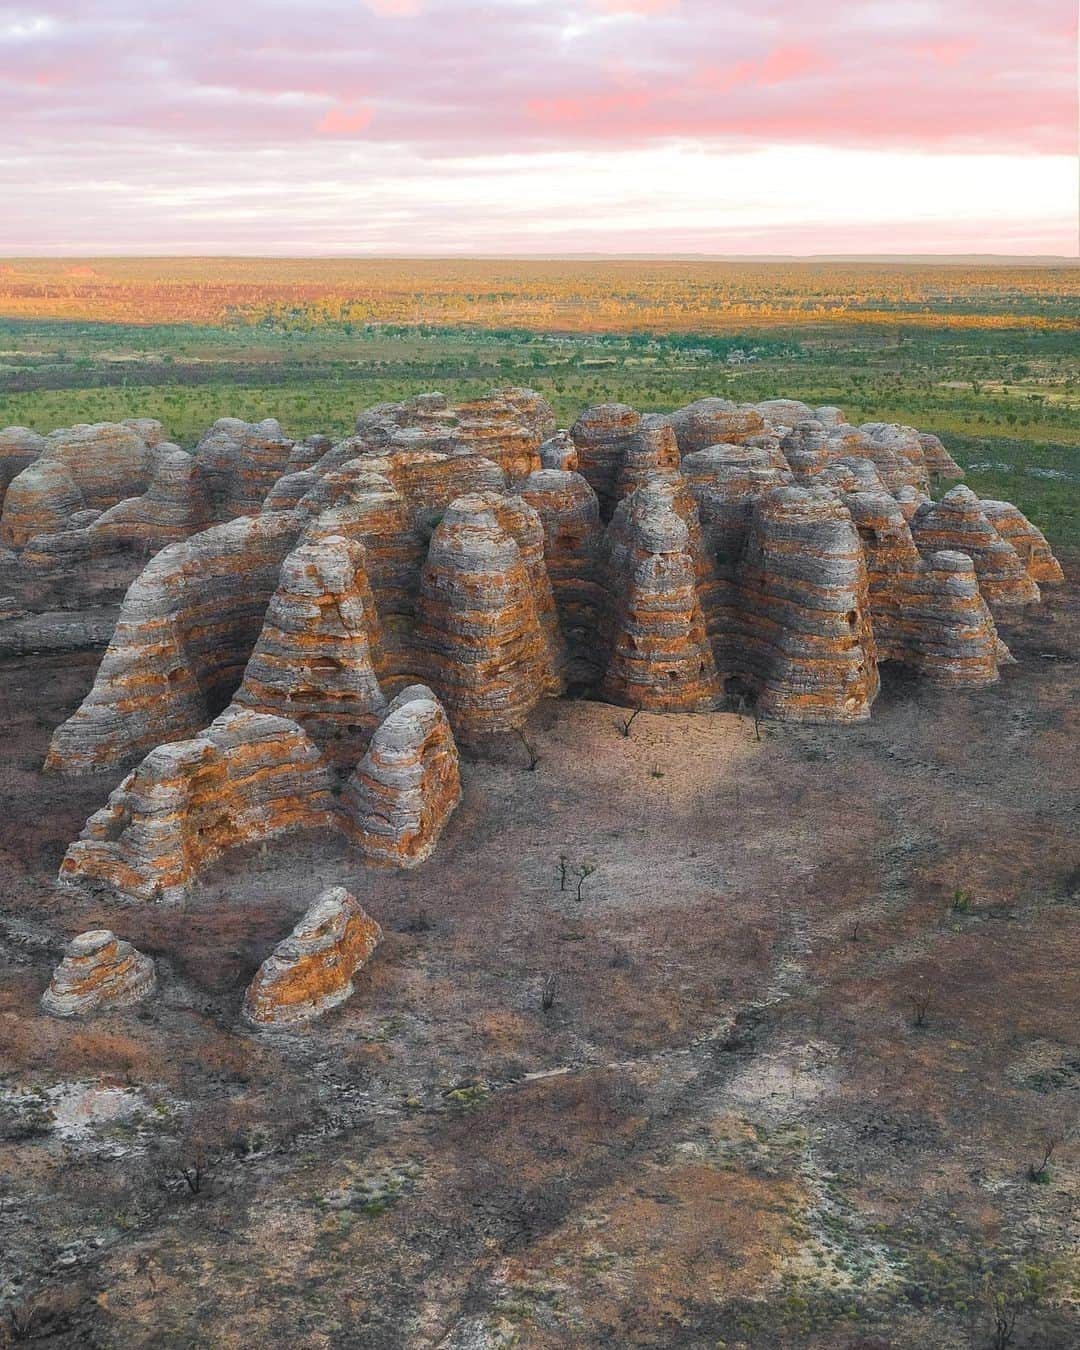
{"type": "Point", "coordinates": [715, 421]}
{"type": "Point", "coordinates": [804, 640]}
{"type": "Point", "coordinates": [483, 625]}
{"type": "Point", "coordinates": [317, 655]}
{"type": "Point", "coordinates": [186, 629]}
{"type": "Point", "coordinates": [19, 447]}
{"type": "Point", "coordinates": [785, 413]}
{"type": "Point", "coordinates": [939, 463]}
{"type": "Point", "coordinates": [238, 463]}
{"type": "Point", "coordinates": [652, 452]}
{"type": "Point", "coordinates": [660, 655]}
{"type": "Point", "coordinates": [958, 523]}
{"type": "Point", "coordinates": [1027, 539]}
{"type": "Point", "coordinates": [897, 453]}
{"type": "Point", "coordinates": [40, 500]}
{"type": "Point", "coordinates": [171, 508]}
{"type": "Point", "coordinates": [407, 785]}
{"type": "Point", "coordinates": [312, 970]}
{"type": "Point", "coordinates": [927, 614]}
{"type": "Point", "coordinates": [603, 436]}
{"type": "Point", "coordinates": [99, 972]}
{"type": "Point", "coordinates": [573, 538]}
{"type": "Point", "coordinates": [246, 778]}
{"type": "Point", "coordinates": [560, 452]}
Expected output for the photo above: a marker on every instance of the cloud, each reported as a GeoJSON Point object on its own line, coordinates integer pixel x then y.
{"type": "Point", "coordinates": [123, 90]}
{"type": "Point", "coordinates": [347, 121]}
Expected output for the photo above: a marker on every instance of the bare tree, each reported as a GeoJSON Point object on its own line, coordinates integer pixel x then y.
{"type": "Point", "coordinates": [920, 1005]}
{"type": "Point", "coordinates": [549, 992]}
{"type": "Point", "coordinates": [584, 872]}
{"type": "Point", "coordinates": [564, 871]}
{"type": "Point", "coordinates": [625, 725]}
{"type": "Point", "coordinates": [530, 750]}
{"type": "Point", "coordinates": [1039, 1172]}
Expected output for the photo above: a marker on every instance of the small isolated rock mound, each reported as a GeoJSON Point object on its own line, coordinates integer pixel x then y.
{"type": "Point", "coordinates": [407, 785]}
{"type": "Point", "coordinates": [312, 970]}
{"type": "Point", "coordinates": [959, 524]}
{"type": "Point", "coordinates": [1027, 539]}
{"type": "Point", "coordinates": [99, 971]}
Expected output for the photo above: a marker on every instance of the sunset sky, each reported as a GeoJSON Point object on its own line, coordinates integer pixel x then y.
{"type": "Point", "coordinates": [539, 126]}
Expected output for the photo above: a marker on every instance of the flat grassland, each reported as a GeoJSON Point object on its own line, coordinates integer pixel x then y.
{"type": "Point", "coordinates": [988, 357]}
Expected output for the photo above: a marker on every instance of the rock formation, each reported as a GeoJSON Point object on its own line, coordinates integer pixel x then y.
{"type": "Point", "coordinates": [927, 614]}
{"type": "Point", "coordinates": [247, 777]}
{"type": "Point", "coordinates": [660, 655]}
{"type": "Point", "coordinates": [184, 635]}
{"type": "Point", "coordinates": [407, 785]}
{"type": "Point", "coordinates": [958, 523]}
{"type": "Point", "coordinates": [483, 620]}
{"type": "Point", "coordinates": [312, 970]}
{"type": "Point", "coordinates": [238, 463]}
{"type": "Point", "coordinates": [317, 655]}
{"type": "Point", "coordinates": [19, 447]}
{"type": "Point", "coordinates": [99, 971]}
{"type": "Point", "coordinates": [603, 436]}
{"type": "Point", "coordinates": [939, 463]}
{"type": "Point", "coordinates": [804, 641]}
{"type": "Point", "coordinates": [1028, 541]}
{"type": "Point", "coordinates": [715, 421]}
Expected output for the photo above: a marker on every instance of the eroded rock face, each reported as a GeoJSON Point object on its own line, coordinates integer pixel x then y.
{"type": "Point", "coordinates": [1028, 541]}
{"type": "Point", "coordinates": [247, 777]}
{"type": "Point", "coordinates": [926, 613]}
{"type": "Point", "coordinates": [481, 625]}
{"type": "Point", "coordinates": [939, 463]}
{"type": "Point", "coordinates": [186, 629]}
{"type": "Point", "coordinates": [715, 421]}
{"type": "Point", "coordinates": [603, 437]}
{"type": "Point", "coordinates": [660, 655]}
{"type": "Point", "coordinates": [317, 655]}
{"type": "Point", "coordinates": [19, 447]}
{"type": "Point", "coordinates": [99, 972]}
{"type": "Point", "coordinates": [312, 970]}
{"type": "Point", "coordinates": [238, 463]}
{"type": "Point", "coordinates": [958, 524]}
{"type": "Point", "coordinates": [805, 635]}
{"type": "Point", "coordinates": [407, 785]}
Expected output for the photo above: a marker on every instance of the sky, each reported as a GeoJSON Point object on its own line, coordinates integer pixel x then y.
{"type": "Point", "coordinates": [538, 126]}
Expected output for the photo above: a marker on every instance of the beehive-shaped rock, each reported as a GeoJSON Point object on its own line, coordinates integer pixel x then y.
{"type": "Point", "coordinates": [651, 452]}
{"type": "Point", "coordinates": [927, 614]}
{"type": "Point", "coordinates": [570, 516]}
{"type": "Point", "coordinates": [805, 640]}
{"type": "Point", "coordinates": [238, 463]}
{"type": "Point", "coordinates": [479, 629]}
{"type": "Point", "coordinates": [785, 413]}
{"type": "Point", "coordinates": [248, 777]}
{"type": "Point", "coordinates": [715, 421]}
{"type": "Point", "coordinates": [498, 430]}
{"type": "Point", "coordinates": [1027, 539]}
{"type": "Point", "coordinates": [317, 657]}
{"type": "Point", "coordinates": [603, 435]}
{"type": "Point", "coordinates": [312, 970]}
{"type": "Point", "coordinates": [19, 447]}
{"type": "Point", "coordinates": [186, 629]}
{"type": "Point", "coordinates": [407, 785]}
{"type": "Point", "coordinates": [958, 523]}
{"type": "Point", "coordinates": [808, 450]}
{"type": "Point", "coordinates": [939, 463]}
{"type": "Point", "coordinates": [171, 508]}
{"type": "Point", "coordinates": [39, 500]}
{"type": "Point", "coordinates": [897, 453]}
{"type": "Point", "coordinates": [99, 972]}
{"type": "Point", "coordinates": [660, 655]}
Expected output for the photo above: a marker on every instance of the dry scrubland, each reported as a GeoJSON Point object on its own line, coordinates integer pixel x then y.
{"type": "Point", "coordinates": [696, 1032]}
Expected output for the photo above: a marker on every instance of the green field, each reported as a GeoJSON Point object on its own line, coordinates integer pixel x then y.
{"type": "Point", "coordinates": [1002, 397]}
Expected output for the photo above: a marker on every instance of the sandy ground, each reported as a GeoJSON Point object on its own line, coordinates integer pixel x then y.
{"type": "Point", "coordinates": [727, 1130]}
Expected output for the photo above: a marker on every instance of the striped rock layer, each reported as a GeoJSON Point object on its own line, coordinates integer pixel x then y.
{"type": "Point", "coordinates": [407, 785]}
{"type": "Point", "coordinates": [99, 972]}
{"type": "Point", "coordinates": [248, 777]}
{"type": "Point", "coordinates": [312, 970]}
{"type": "Point", "coordinates": [764, 561]}
{"type": "Point", "coordinates": [186, 629]}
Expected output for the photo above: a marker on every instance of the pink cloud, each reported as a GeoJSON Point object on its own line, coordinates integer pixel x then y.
{"type": "Point", "coordinates": [345, 121]}
{"type": "Point", "coordinates": [638, 6]}
{"type": "Point", "coordinates": [396, 9]}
